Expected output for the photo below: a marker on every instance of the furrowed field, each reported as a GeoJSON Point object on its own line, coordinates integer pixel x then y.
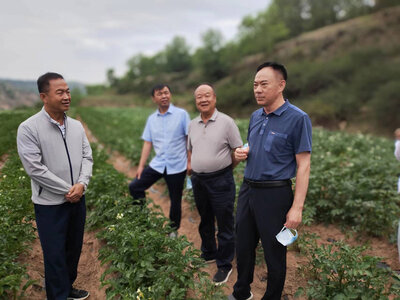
{"type": "Point", "coordinates": [352, 186]}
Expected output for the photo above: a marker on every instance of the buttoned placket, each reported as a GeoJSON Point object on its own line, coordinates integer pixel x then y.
{"type": "Point", "coordinates": [264, 125]}
{"type": "Point", "coordinates": [164, 133]}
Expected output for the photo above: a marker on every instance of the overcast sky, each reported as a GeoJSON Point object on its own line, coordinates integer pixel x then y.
{"type": "Point", "coordinates": [81, 39]}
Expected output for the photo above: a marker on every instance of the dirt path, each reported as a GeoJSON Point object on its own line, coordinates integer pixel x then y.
{"type": "Point", "coordinates": [89, 269]}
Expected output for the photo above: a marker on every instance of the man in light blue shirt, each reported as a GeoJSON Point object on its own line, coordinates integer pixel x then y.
{"type": "Point", "coordinates": [166, 130]}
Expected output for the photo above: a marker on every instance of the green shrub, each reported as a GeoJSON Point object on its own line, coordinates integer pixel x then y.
{"type": "Point", "coordinates": [386, 113]}
{"type": "Point", "coordinates": [339, 271]}
{"type": "Point", "coordinates": [353, 182]}
{"type": "Point", "coordinates": [9, 121]}
{"type": "Point", "coordinates": [16, 229]}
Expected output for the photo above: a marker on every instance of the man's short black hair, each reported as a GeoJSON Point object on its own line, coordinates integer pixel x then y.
{"type": "Point", "coordinates": [276, 66]}
{"type": "Point", "coordinates": [43, 81]}
{"type": "Point", "coordinates": [158, 87]}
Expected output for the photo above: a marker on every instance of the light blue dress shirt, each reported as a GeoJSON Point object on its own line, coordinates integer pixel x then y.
{"type": "Point", "coordinates": [168, 134]}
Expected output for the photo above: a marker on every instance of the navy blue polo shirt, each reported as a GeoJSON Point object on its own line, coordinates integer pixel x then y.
{"type": "Point", "coordinates": [274, 140]}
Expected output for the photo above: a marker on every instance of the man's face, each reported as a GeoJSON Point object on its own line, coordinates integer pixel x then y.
{"type": "Point", "coordinates": [268, 85]}
{"type": "Point", "coordinates": [205, 99]}
{"type": "Point", "coordinates": [162, 98]}
{"type": "Point", "coordinates": [58, 97]}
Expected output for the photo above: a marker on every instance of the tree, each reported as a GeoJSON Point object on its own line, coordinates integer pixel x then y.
{"type": "Point", "coordinates": [209, 57]}
{"type": "Point", "coordinates": [260, 33]}
{"type": "Point", "coordinates": [111, 79]}
{"type": "Point", "coordinates": [177, 56]}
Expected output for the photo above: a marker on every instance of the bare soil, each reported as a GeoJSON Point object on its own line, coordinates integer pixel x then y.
{"type": "Point", "coordinates": [90, 270]}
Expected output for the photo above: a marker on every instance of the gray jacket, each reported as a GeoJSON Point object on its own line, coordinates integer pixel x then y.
{"type": "Point", "coordinates": [52, 162]}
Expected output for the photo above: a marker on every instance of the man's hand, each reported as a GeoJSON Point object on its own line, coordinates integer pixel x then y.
{"type": "Point", "coordinates": [241, 153]}
{"type": "Point", "coordinates": [139, 172]}
{"type": "Point", "coordinates": [75, 193]}
{"type": "Point", "coordinates": [293, 217]}
{"type": "Point", "coordinates": [189, 169]}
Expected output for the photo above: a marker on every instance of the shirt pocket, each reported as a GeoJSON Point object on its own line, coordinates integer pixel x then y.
{"type": "Point", "coordinates": [275, 140]}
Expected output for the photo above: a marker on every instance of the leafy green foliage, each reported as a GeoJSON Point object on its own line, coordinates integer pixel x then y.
{"type": "Point", "coordinates": [9, 121]}
{"type": "Point", "coordinates": [143, 262]}
{"type": "Point", "coordinates": [120, 129]}
{"type": "Point", "coordinates": [339, 271]}
{"type": "Point", "coordinates": [16, 229]}
{"type": "Point", "coordinates": [353, 182]}
{"type": "Point", "coordinates": [325, 94]}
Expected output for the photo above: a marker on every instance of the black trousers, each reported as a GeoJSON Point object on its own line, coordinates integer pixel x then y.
{"type": "Point", "coordinates": [174, 182]}
{"type": "Point", "coordinates": [60, 229]}
{"type": "Point", "coordinates": [215, 197]}
{"type": "Point", "coordinates": [261, 213]}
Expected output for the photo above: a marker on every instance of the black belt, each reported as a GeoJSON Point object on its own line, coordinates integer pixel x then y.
{"type": "Point", "coordinates": [213, 174]}
{"type": "Point", "coordinates": [268, 183]}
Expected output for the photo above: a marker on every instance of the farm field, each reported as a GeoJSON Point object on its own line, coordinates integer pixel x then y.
{"type": "Point", "coordinates": [352, 187]}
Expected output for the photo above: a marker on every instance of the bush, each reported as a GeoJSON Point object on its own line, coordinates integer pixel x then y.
{"type": "Point", "coordinates": [16, 229]}
{"type": "Point", "coordinates": [339, 271]}
{"type": "Point", "coordinates": [383, 112]}
{"type": "Point", "coordinates": [353, 182]}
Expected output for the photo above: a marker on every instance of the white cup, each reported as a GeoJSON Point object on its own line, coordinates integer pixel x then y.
{"type": "Point", "coordinates": [286, 236]}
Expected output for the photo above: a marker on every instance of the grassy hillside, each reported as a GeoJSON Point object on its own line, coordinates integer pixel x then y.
{"type": "Point", "coordinates": [344, 75]}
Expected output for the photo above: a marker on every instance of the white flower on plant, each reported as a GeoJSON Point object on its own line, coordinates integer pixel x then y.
{"type": "Point", "coordinates": [120, 215]}
{"type": "Point", "coordinates": [21, 169]}
{"type": "Point", "coordinates": [140, 294]}
{"type": "Point", "coordinates": [4, 176]}
{"type": "Point", "coordinates": [111, 228]}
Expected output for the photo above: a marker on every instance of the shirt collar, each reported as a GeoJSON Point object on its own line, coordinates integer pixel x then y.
{"type": "Point", "coordinates": [170, 110]}
{"type": "Point", "coordinates": [280, 110]}
{"type": "Point", "coordinates": [51, 119]}
{"type": "Point", "coordinates": [213, 117]}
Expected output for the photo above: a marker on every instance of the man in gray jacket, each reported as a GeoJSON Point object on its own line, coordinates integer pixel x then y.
{"type": "Point", "coordinates": [57, 157]}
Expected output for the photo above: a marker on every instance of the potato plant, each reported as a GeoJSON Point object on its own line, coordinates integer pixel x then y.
{"type": "Point", "coordinates": [339, 271]}
{"type": "Point", "coordinates": [118, 128]}
{"type": "Point", "coordinates": [16, 212]}
{"type": "Point", "coordinates": [143, 262]}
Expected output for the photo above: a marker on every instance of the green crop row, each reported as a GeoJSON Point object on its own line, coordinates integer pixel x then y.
{"type": "Point", "coordinates": [143, 261]}
{"type": "Point", "coordinates": [353, 182]}
{"type": "Point", "coordinates": [340, 271]}
{"type": "Point", "coordinates": [16, 214]}
{"type": "Point", "coordinates": [118, 128]}
{"type": "Point", "coordinates": [9, 121]}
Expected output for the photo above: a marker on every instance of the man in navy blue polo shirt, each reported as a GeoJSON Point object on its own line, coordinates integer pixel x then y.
{"type": "Point", "coordinates": [279, 138]}
{"type": "Point", "coordinates": [166, 130]}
